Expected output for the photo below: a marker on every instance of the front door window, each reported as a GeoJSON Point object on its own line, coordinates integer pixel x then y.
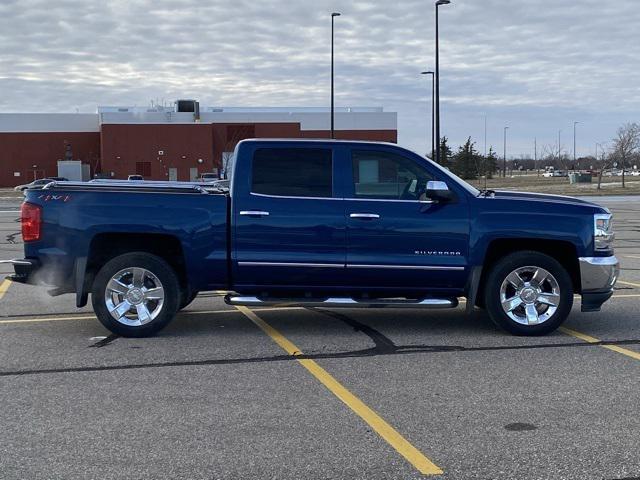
{"type": "Point", "coordinates": [387, 176]}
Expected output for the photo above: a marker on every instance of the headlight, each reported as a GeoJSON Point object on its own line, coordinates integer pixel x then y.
{"type": "Point", "coordinates": [602, 231]}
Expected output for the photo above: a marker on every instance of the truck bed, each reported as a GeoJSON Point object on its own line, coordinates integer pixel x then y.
{"type": "Point", "coordinates": [188, 222]}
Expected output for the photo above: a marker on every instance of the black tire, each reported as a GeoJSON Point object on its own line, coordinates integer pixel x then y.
{"type": "Point", "coordinates": [158, 268]}
{"type": "Point", "coordinates": [522, 260]}
{"type": "Point", "coordinates": [187, 297]}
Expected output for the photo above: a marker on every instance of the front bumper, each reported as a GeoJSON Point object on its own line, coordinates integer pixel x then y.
{"type": "Point", "coordinates": [598, 275]}
{"type": "Point", "coordinates": [24, 269]}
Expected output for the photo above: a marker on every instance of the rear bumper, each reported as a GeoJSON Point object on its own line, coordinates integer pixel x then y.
{"type": "Point", "coordinates": [23, 268]}
{"type": "Point", "coordinates": [598, 275]}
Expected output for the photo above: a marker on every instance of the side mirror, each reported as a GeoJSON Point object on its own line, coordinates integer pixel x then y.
{"type": "Point", "coordinates": [438, 191]}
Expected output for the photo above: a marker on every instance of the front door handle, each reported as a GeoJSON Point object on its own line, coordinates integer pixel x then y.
{"type": "Point", "coordinates": [365, 216]}
{"type": "Point", "coordinates": [254, 213]}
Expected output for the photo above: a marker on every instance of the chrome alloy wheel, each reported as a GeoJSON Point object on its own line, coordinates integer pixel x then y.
{"type": "Point", "coordinates": [134, 296]}
{"type": "Point", "coordinates": [530, 295]}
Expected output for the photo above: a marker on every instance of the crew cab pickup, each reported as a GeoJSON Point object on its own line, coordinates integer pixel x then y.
{"type": "Point", "coordinates": [318, 223]}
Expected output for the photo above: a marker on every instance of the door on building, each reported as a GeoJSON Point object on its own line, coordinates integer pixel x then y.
{"type": "Point", "coordinates": [31, 175]}
{"type": "Point", "coordinates": [193, 174]}
{"type": "Point", "coordinates": [173, 174]}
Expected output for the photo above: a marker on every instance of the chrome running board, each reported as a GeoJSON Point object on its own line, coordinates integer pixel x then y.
{"type": "Point", "coordinates": [339, 302]}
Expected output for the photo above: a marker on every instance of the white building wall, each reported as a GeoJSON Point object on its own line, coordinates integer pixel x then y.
{"type": "Point", "coordinates": [368, 120]}
{"type": "Point", "coordinates": [346, 119]}
{"type": "Point", "coordinates": [48, 122]}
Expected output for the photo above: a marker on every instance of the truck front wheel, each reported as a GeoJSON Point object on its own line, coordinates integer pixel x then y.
{"type": "Point", "coordinates": [136, 294]}
{"type": "Point", "coordinates": [528, 293]}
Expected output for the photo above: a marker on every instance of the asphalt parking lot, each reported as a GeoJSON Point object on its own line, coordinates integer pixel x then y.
{"type": "Point", "coordinates": [298, 393]}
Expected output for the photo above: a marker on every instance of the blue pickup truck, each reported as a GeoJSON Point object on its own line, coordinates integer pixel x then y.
{"type": "Point", "coordinates": [318, 223]}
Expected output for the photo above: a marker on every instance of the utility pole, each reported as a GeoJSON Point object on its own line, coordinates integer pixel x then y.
{"type": "Point", "coordinates": [485, 136]}
{"type": "Point", "coordinates": [438, 3]}
{"type": "Point", "coordinates": [535, 155]}
{"type": "Point", "coordinates": [574, 143]}
{"type": "Point", "coordinates": [333, 135]}
{"type": "Point", "coordinates": [559, 149]}
{"type": "Point", "coordinates": [484, 162]}
{"type": "Point", "coordinates": [504, 158]}
{"type": "Point", "coordinates": [433, 91]}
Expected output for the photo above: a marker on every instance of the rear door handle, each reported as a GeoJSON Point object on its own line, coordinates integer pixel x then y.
{"type": "Point", "coordinates": [365, 216]}
{"type": "Point", "coordinates": [254, 213]}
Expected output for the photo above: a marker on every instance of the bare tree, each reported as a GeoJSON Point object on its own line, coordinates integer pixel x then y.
{"type": "Point", "coordinates": [234, 133]}
{"type": "Point", "coordinates": [626, 143]}
{"type": "Point", "coordinates": [604, 161]}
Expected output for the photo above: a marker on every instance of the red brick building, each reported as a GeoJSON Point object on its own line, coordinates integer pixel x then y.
{"type": "Point", "coordinates": [162, 144]}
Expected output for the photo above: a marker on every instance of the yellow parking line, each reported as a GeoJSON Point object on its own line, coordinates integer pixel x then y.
{"type": "Point", "coordinates": [4, 286]}
{"type": "Point", "coordinates": [589, 339]}
{"type": "Point", "coordinates": [93, 317]}
{"type": "Point", "coordinates": [637, 285]}
{"type": "Point", "coordinates": [44, 320]}
{"type": "Point", "coordinates": [386, 431]}
{"type": "Point", "coordinates": [631, 256]}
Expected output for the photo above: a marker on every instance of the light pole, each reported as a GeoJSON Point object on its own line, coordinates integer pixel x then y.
{"type": "Point", "coordinates": [504, 158]}
{"type": "Point", "coordinates": [559, 147]}
{"type": "Point", "coordinates": [333, 16]}
{"type": "Point", "coordinates": [535, 155]}
{"type": "Point", "coordinates": [433, 88]}
{"type": "Point", "coordinates": [438, 3]}
{"type": "Point", "coordinates": [485, 136]}
{"type": "Point", "coordinates": [574, 143]}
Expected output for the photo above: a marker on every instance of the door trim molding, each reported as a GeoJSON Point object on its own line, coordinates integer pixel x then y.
{"type": "Point", "coordinates": [348, 265]}
{"type": "Point", "coordinates": [407, 267]}
{"type": "Point", "coordinates": [291, 264]}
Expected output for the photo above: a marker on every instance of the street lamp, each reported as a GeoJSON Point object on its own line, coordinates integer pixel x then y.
{"type": "Point", "coordinates": [504, 158]}
{"type": "Point", "coordinates": [574, 143]}
{"type": "Point", "coordinates": [438, 3]}
{"type": "Point", "coordinates": [333, 16]}
{"type": "Point", "coordinates": [433, 88]}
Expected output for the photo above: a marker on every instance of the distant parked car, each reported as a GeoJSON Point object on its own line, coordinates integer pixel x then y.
{"type": "Point", "coordinates": [136, 178]}
{"type": "Point", "coordinates": [222, 183]}
{"type": "Point", "coordinates": [39, 183]}
{"type": "Point", "coordinates": [635, 173]}
{"type": "Point", "coordinates": [208, 177]}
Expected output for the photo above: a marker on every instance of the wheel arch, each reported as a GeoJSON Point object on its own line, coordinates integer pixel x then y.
{"type": "Point", "coordinates": [563, 251]}
{"type": "Point", "coordinates": [105, 246]}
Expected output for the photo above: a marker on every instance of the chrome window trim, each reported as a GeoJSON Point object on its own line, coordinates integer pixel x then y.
{"type": "Point", "coordinates": [390, 200]}
{"type": "Point", "coordinates": [293, 198]}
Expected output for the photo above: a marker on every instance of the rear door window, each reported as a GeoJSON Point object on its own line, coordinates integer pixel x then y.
{"type": "Point", "coordinates": [293, 172]}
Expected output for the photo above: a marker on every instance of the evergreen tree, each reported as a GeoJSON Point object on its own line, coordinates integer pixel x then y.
{"type": "Point", "coordinates": [445, 153]}
{"type": "Point", "coordinates": [466, 161]}
{"type": "Point", "coordinates": [490, 164]}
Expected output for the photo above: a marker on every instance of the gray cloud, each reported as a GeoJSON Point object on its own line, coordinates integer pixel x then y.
{"type": "Point", "coordinates": [536, 65]}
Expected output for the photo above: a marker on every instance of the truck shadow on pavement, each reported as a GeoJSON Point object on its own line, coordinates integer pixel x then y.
{"type": "Point", "coordinates": [382, 346]}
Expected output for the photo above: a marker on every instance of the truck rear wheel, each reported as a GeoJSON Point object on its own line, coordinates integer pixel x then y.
{"type": "Point", "coordinates": [528, 293]}
{"type": "Point", "coordinates": [136, 294]}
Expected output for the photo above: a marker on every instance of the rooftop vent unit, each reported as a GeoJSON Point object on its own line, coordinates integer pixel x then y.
{"type": "Point", "coordinates": [189, 106]}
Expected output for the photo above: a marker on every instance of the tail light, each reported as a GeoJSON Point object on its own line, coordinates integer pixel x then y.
{"type": "Point", "coordinates": [31, 217]}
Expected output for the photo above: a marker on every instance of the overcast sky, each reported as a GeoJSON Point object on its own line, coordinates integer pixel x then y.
{"type": "Point", "coordinates": [535, 65]}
